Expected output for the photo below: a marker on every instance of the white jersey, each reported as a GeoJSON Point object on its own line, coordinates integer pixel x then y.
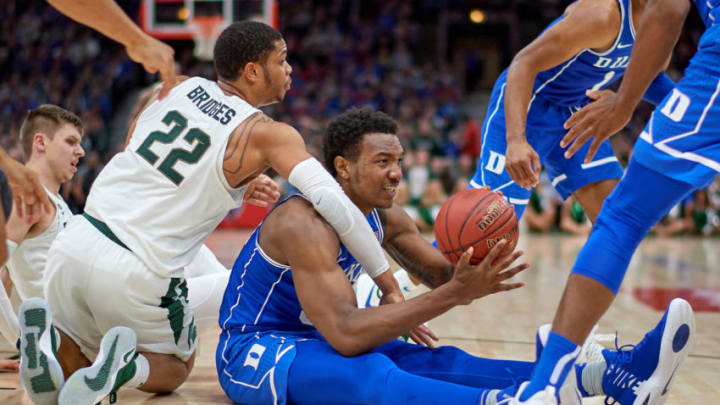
{"type": "Point", "coordinates": [27, 264]}
{"type": "Point", "coordinates": [167, 192]}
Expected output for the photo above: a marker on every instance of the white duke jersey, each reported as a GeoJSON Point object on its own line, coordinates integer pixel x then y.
{"type": "Point", "coordinates": [166, 192]}
{"type": "Point", "coordinates": [27, 264]}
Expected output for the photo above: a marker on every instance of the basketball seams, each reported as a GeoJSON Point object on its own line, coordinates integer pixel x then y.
{"type": "Point", "coordinates": [467, 218]}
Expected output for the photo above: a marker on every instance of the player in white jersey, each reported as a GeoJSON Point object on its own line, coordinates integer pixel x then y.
{"type": "Point", "coordinates": [50, 137]}
{"type": "Point", "coordinates": [189, 160]}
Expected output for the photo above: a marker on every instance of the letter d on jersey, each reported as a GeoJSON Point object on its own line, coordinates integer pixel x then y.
{"type": "Point", "coordinates": [676, 106]}
{"type": "Point", "coordinates": [602, 62]}
{"type": "Point", "coordinates": [253, 357]}
{"type": "Point", "coordinates": [496, 163]}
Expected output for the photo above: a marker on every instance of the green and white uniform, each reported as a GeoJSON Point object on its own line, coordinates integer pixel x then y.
{"type": "Point", "coordinates": [147, 216]}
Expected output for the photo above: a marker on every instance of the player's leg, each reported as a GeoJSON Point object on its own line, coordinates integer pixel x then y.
{"type": "Point", "coordinates": [677, 153]}
{"type": "Point", "coordinates": [206, 280]}
{"type": "Point", "coordinates": [590, 183]}
{"type": "Point", "coordinates": [320, 375]}
{"type": "Point", "coordinates": [625, 218]}
{"type": "Point", "coordinates": [491, 165]}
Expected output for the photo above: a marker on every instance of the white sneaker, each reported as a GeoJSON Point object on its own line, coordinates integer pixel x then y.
{"type": "Point", "coordinates": [40, 372]}
{"type": "Point", "coordinates": [544, 397]}
{"type": "Point", "coordinates": [91, 385]}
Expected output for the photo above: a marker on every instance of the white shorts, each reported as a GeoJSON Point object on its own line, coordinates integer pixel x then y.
{"type": "Point", "coordinates": [93, 284]}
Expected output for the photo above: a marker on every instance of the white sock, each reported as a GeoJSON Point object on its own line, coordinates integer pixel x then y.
{"type": "Point", "coordinates": [592, 376]}
{"type": "Point", "coordinates": [142, 372]}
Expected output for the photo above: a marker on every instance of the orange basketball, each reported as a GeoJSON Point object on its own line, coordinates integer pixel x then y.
{"type": "Point", "coordinates": [475, 217]}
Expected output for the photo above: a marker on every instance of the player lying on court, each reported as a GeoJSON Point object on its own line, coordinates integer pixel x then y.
{"type": "Point", "coordinates": [677, 153]}
{"type": "Point", "coordinates": [587, 48]}
{"type": "Point", "coordinates": [190, 159]}
{"type": "Point", "coordinates": [291, 328]}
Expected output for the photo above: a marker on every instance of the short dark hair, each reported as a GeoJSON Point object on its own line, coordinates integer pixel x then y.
{"type": "Point", "coordinates": [241, 43]}
{"type": "Point", "coordinates": [47, 118]}
{"type": "Point", "coordinates": [344, 133]}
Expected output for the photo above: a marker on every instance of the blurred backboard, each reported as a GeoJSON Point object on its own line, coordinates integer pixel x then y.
{"type": "Point", "coordinates": [176, 19]}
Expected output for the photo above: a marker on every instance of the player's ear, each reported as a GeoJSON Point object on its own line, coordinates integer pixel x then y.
{"type": "Point", "coordinates": [252, 72]}
{"type": "Point", "coordinates": [39, 141]}
{"type": "Point", "coordinates": [342, 167]}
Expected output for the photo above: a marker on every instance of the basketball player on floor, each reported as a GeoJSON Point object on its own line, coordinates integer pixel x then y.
{"type": "Point", "coordinates": [50, 137]}
{"type": "Point", "coordinates": [51, 140]}
{"type": "Point", "coordinates": [292, 332]}
{"type": "Point", "coordinates": [189, 161]}
{"type": "Point", "coordinates": [677, 153]}
{"type": "Point", "coordinates": [588, 47]}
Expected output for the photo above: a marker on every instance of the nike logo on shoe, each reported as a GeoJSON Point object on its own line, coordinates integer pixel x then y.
{"type": "Point", "coordinates": [127, 356]}
{"type": "Point", "coordinates": [98, 382]}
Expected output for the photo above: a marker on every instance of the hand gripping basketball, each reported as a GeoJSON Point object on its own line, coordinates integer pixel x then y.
{"type": "Point", "coordinates": [488, 276]}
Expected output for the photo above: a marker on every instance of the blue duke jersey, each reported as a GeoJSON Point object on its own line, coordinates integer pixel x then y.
{"type": "Point", "coordinates": [566, 83]}
{"type": "Point", "coordinates": [261, 294]}
{"type": "Point", "coordinates": [709, 11]}
{"type": "Point", "coordinates": [262, 321]}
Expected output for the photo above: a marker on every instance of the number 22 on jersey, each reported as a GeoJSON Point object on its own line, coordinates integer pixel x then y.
{"type": "Point", "coordinates": [194, 136]}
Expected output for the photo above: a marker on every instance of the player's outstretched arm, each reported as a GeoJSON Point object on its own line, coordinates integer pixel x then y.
{"type": "Point", "coordinates": [659, 30]}
{"type": "Point", "coordinates": [404, 243]}
{"type": "Point", "coordinates": [586, 24]}
{"type": "Point", "coordinates": [280, 146]}
{"type": "Point", "coordinates": [329, 302]}
{"type": "Point", "coordinates": [108, 18]}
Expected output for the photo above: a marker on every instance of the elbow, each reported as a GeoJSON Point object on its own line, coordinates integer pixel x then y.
{"type": "Point", "coordinates": [347, 346]}
{"type": "Point", "coordinates": [521, 64]}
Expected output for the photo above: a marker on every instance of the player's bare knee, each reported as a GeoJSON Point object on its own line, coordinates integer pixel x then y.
{"type": "Point", "coordinates": [591, 196]}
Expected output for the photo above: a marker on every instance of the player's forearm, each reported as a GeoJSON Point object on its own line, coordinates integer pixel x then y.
{"type": "Point", "coordinates": [103, 15]}
{"type": "Point", "coordinates": [518, 93]}
{"type": "Point", "coordinates": [659, 30]}
{"type": "Point", "coordinates": [367, 328]}
{"type": "Point", "coordinates": [432, 273]}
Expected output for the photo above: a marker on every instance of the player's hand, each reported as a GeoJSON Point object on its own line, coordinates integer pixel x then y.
{"type": "Point", "coordinates": [9, 365]}
{"type": "Point", "coordinates": [522, 163]}
{"type": "Point", "coordinates": [262, 191]}
{"type": "Point", "coordinates": [155, 57]}
{"type": "Point", "coordinates": [598, 120]}
{"type": "Point", "coordinates": [29, 197]}
{"type": "Point", "coordinates": [488, 276]}
{"type": "Point", "coordinates": [422, 334]}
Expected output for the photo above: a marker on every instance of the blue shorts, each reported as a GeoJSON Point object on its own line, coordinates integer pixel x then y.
{"type": "Point", "coordinates": [544, 132]}
{"type": "Point", "coordinates": [302, 368]}
{"type": "Point", "coordinates": [252, 367]}
{"type": "Point", "coordinates": [682, 138]}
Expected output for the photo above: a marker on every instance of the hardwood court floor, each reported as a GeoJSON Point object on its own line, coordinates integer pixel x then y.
{"type": "Point", "coordinates": [503, 326]}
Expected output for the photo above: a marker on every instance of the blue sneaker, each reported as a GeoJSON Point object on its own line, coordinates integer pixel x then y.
{"type": "Point", "coordinates": [40, 372]}
{"type": "Point", "coordinates": [643, 374]}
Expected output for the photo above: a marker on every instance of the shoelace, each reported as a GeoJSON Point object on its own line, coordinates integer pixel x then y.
{"type": "Point", "coordinates": [624, 356]}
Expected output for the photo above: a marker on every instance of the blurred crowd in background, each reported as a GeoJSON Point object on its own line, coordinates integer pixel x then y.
{"type": "Point", "coordinates": [421, 62]}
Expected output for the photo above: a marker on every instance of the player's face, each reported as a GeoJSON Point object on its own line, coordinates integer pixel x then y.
{"type": "Point", "coordinates": [64, 151]}
{"type": "Point", "coordinates": [375, 177]}
{"type": "Point", "coordinates": [277, 73]}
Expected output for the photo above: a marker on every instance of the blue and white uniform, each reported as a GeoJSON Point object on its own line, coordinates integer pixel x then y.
{"type": "Point", "coordinates": [270, 353]}
{"type": "Point", "coordinates": [558, 93]}
{"type": "Point", "coordinates": [681, 139]}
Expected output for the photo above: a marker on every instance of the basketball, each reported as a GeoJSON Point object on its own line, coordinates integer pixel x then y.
{"type": "Point", "coordinates": [476, 217]}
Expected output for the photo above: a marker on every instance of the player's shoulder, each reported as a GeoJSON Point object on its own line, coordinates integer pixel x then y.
{"type": "Point", "coordinates": [594, 13]}
{"type": "Point", "coordinates": [297, 220]}
{"type": "Point", "coordinates": [266, 130]}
